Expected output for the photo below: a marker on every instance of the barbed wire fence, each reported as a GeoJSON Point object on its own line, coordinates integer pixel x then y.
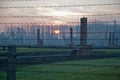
{"type": "Point", "coordinates": [26, 33]}
{"type": "Point", "coordinates": [60, 6]}
{"type": "Point", "coordinates": [19, 0]}
{"type": "Point", "coordinates": [99, 34]}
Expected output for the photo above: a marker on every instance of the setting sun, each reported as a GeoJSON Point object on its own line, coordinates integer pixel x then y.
{"type": "Point", "coordinates": [57, 31]}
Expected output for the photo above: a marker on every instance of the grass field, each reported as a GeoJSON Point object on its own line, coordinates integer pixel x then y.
{"type": "Point", "coordinates": [39, 50]}
{"type": "Point", "coordinates": [96, 69]}
{"type": "Point", "coordinates": [2, 75]}
{"type": "Point", "coordinates": [106, 51]}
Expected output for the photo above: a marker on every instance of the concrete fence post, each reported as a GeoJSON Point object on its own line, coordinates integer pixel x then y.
{"type": "Point", "coordinates": [71, 36]}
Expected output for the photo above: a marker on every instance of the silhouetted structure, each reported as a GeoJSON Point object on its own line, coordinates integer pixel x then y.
{"type": "Point", "coordinates": [83, 32]}
{"type": "Point", "coordinates": [71, 36]}
{"type": "Point", "coordinates": [39, 41]}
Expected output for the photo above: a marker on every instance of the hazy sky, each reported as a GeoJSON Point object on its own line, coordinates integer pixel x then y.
{"type": "Point", "coordinates": [61, 11]}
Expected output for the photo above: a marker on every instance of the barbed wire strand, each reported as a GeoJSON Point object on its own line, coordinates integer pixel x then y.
{"type": "Point", "coordinates": [50, 23]}
{"type": "Point", "coordinates": [19, 0]}
{"type": "Point", "coordinates": [61, 6]}
{"type": "Point", "coordinates": [58, 16]}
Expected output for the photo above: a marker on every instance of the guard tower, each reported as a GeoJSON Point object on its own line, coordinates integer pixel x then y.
{"type": "Point", "coordinates": [85, 49]}
{"type": "Point", "coordinates": [83, 32]}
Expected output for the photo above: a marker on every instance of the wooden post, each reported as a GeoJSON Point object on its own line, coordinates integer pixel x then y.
{"type": "Point", "coordinates": [11, 70]}
{"type": "Point", "coordinates": [4, 48]}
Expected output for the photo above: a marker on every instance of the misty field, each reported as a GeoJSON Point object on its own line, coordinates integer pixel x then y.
{"type": "Point", "coordinates": [94, 69]}
{"type": "Point", "coordinates": [39, 50]}
{"type": "Point", "coordinates": [42, 49]}
{"type": "Point", "coordinates": [27, 50]}
{"type": "Point", "coordinates": [108, 51]}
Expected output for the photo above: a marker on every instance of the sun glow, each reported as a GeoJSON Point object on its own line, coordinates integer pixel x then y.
{"type": "Point", "coordinates": [60, 13]}
{"type": "Point", "coordinates": [57, 31]}
{"type": "Point", "coordinates": [64, 13]}
{"type": "Point", "coordinates": [58, 22]}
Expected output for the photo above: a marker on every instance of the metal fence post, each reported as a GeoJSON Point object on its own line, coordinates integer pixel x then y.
{"type": "Point", "coordinates": [11, 70]}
